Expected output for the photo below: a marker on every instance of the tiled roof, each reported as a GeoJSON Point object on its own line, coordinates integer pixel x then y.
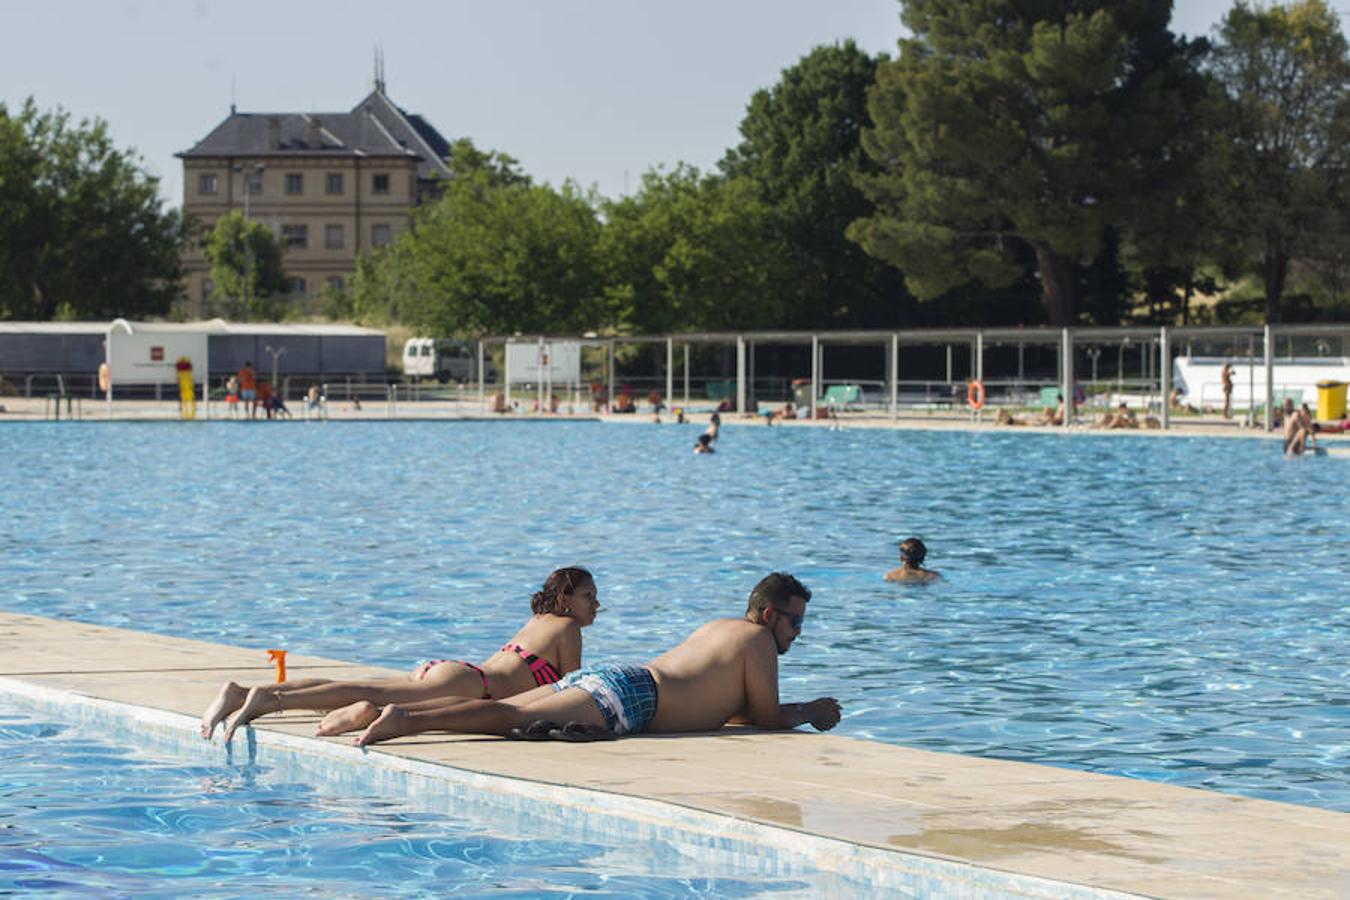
{"type": "Point", "coordinates": [375, 127]}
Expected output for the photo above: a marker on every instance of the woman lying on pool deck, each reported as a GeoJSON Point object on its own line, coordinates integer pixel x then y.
{"type": "Point", "coordinates": [566, 604]}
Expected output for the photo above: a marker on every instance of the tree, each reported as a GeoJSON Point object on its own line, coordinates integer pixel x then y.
{"type": "Point", "coordinates": [82, 230]}
{"type": "Point", "coordinates": [689, 252]}
{"type": "Point", "coordinates": [492, 254]}
{"type": "Point", "coordinates": [246, 267]}
{"type": "Point", "coordinates": [801, 150]}
{"type": "Point", "coordinates": [1007, 122]}
{"type": "Point", "coordinates": [1285, 70]}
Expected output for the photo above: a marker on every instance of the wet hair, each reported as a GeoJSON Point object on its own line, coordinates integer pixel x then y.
{"type": "Point", "coordinates": [560, 582]}
{"type": "Point", "coordinates": [776, 590]}
{"type": "Point", "coordinates": [913, 551]}
{"type": "Point", "coordinates": [716, 418]}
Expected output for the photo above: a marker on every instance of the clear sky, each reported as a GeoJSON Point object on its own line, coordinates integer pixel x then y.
{"type": "Point", "coordinates": [594, 90]}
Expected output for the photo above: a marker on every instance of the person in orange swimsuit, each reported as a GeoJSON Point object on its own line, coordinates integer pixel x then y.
{"type": "Point", "coordinates": [562, 607]}
{"type": "Point", "coordinates": [248, 388]}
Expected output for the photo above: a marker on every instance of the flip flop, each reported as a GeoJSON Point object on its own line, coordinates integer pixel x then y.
{"type": "Point", "coordinates": [581, 733]}
{"type": "Point", "coordinates": [538, 730]}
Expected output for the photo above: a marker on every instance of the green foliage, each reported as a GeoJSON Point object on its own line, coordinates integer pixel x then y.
{"type": "Point", "coordinates": [246, 268]}
{"type": "Point", "coordinates": [688, 252]}
{"type": "Point", "coordinates": [1285, 71]}
{"type": "Point", "coordinates": [494, 254]}
{"type": "Point", "coordinates": [82, 231]}
{"type": "Point", "coordinates": [1007, 122]}
{"type": "Point", "coordinates": [801, 150]}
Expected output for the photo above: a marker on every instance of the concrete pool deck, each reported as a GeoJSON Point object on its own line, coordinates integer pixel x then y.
{"type": "Point", "coordinates": [37, 409]}
{"type": "Point", "coordinates": [1074, 828]}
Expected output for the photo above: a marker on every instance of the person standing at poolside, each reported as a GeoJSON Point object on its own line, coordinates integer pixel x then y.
{"type": "Point", "coordinates": [726, 671]}
{"type": "Point", "coordinates": [912, 552]}
{"type": "Point", "coordinates": [248, 388]}
{"type": "Point", "coordinates": [1226, 376]}
{"type": "Point", "coordinates": [565, 604]}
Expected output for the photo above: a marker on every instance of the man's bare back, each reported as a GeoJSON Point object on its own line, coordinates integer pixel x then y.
{"type": "Point", "coordinates": [726, 669]}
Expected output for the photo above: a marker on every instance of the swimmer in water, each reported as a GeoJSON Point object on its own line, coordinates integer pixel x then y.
{"type": "Point", "coordinates": [912, 552]}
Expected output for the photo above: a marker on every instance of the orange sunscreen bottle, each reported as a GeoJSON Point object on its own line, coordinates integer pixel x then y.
{"type": "Point", "coordinates": [279, 658]}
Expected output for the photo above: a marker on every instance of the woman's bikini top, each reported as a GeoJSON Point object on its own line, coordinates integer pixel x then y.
{"type": "Point", "coordinates": [541, 669]}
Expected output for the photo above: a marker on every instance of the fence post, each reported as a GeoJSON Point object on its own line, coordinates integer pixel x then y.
{"type": "Point", "coordinates": [1165, 374]}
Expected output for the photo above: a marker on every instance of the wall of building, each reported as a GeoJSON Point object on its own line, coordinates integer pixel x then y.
{"type": "Point", "coordinates": [359, 215]}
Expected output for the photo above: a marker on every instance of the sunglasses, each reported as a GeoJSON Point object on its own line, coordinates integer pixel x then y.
{"type": "Point", "coordinates": [793, 619]}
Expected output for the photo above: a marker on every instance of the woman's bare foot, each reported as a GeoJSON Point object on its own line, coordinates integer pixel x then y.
{"type": "Point", "coordinates": [392, 723]}
{"type": "Point", "coordinates": [259, 700]}
{"type": "Point", "coordinates": [230, 698]}
{"type": "Point", "coordinates": [352, 717]}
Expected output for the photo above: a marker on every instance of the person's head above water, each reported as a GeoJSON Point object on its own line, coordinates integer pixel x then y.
{"type": "Point", "coordinates": [912, 552]}
{"type": "Point", "coordinates": [559, 587]}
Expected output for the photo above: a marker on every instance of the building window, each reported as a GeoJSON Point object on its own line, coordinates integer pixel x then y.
{"type": "Point", "coordinates": [208, 286]}
{"type": "Point", "coordinates": [296, 286]}
{"type": "Point", "coordinates": [253, 183]}
{"type": "Point", "coordinates": [295, 235]}
{"type": "Point", "coordinates": [295, 183]}
{"type": "Point", "coordinates": [335, 282]}
{"type": "Point", "coordinates": [206, 183]}
{"type": "Point", "coordinates": [335, 182]}
{"type": "Point", "coordinates": [333, 237]}
{"type": "Point", "coordinates": [379, 235]}
{"type": "Point", "coordinates": [381, 184]}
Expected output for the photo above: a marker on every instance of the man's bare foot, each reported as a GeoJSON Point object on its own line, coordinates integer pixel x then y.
{"type": "Point", "coordinates": [352, 717]}
{"type": "Point", "coordinates": [392, 723]}
{"type": "Point", "coordinates": [259, 700]}
{"type": "Point", "coordinates": [230, 697]}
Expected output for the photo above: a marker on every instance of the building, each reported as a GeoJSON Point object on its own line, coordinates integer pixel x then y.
{"type": "Point", "coordinates": [331, 185]}
{"type": "Point", "coordinates": [63, 357]}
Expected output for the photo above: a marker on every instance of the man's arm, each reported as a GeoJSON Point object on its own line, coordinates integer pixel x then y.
{"type": "Point", "coordinates": [762, 707]}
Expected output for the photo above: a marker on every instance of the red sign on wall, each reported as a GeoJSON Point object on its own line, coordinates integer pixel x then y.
{"type": "Point", "coordinates": [157, 354]}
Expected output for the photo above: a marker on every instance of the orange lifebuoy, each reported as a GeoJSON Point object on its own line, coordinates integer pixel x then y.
{"type": "Point", "coordinates": [975, 395]}
{"type": "Point", "coordinates": [104, 377]}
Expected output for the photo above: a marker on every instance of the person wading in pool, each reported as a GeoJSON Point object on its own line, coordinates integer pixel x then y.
{"type": "Point", "coordinates": [912, 552]}
{"type": "Point", "coordinates": [726, 671]}
{"type": "Point", "coordinates": [562, 607]}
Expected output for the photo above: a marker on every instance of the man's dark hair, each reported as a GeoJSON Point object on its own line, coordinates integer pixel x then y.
{"type": "Point", "coordinates": [776, 590]}
{"type": "Point", "coordinates": [913, 551]}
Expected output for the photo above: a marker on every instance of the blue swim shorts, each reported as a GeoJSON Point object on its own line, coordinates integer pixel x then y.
{"type": "Point", "coordinates": [626, 695]}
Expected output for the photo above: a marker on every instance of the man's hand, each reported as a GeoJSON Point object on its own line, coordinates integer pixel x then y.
{"type": "Point", "coordinates": [823, 714]}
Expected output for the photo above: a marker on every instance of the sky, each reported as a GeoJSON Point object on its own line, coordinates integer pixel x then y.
{"type": "Point", "coordinates": [598, 91]}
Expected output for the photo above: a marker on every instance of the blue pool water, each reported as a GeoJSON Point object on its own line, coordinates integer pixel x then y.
{"type": "Point", "coordinates": [1171, 609]}
{"type": "Point", "coordinates": [83, 815]}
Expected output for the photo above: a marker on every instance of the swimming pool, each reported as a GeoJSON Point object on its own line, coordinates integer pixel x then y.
{"type": "Point", "coordinates": [1167, 609]}
{"type": "Point", "coordinates": [81, 813]}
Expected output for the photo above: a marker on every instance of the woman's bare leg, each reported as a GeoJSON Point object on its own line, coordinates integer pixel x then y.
{"type": "Point", "coordinates": [448, 680]}
{"type": "Point", "coordinates": [231, 696]}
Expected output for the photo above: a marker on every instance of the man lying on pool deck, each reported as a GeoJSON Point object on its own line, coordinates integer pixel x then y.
{"type": "Point", "coordinates": [726, 671]}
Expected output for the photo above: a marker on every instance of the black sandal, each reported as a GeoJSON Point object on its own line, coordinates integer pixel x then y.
{"type": "Point", "coordinates": [538, 730]}
{"type": "Point", "coordinates": [581, 733]}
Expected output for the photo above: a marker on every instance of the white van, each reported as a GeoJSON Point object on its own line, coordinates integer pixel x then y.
{"type": "Point", "coordinates": [443, 359]}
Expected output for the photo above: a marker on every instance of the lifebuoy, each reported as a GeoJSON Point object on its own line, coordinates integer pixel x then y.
{"type": "Point", "coordinates": [975, 395]}
{"type": "Point", "coordinates": [104, 377]}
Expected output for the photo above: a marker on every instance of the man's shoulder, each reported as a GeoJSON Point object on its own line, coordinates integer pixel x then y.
{"type": "Point", "coordinates": [729, 630]}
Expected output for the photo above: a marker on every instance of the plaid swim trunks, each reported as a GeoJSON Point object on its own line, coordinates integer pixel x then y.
{"type": "Point", "coordinates": [626, 695]}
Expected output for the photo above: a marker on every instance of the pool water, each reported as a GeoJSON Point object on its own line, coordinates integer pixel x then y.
{"type": "Point", "coordinates": [83, 814]}
{"type": "Point", "coordinates": [1171, 609]}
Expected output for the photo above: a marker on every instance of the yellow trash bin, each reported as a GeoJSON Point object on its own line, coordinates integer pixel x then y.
{"type": "Point", "coordinates": [1330, 400]}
